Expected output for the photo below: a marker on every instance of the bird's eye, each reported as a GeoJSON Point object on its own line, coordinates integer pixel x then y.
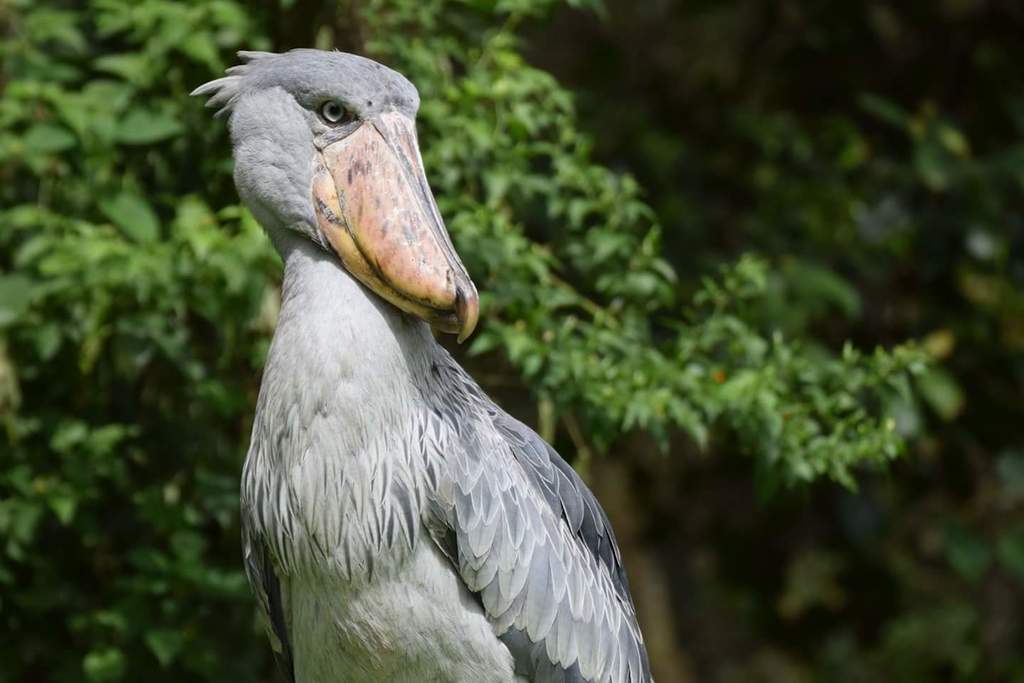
{"type": "Point", "coordinates": [333, 113]}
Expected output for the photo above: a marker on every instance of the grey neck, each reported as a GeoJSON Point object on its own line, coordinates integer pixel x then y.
{"type": "Point", "coordinates": [341, 341]}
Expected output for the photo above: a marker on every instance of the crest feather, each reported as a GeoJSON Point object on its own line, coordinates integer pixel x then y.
{"type": "Point", "coordinates": [223, 92]}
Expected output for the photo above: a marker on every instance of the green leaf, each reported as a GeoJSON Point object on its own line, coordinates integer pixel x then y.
{"type": "Point", "coordinates": [165, 644]}
{"type": "Point", "coordinates": [933, 165]}
{"type": "Point", "coordinates": [103, 666]}
{"type": "Point", "coordinates": [144, 127]}
{"type": "Point", "coordinates": [132, 67]}
{"type": "Point", "coordinates": [816, 283]}
{"type": "Point", "coordinates": [64, 506]}
{"type": "Point", "coordinates": [58, 26]}
{"type": "Point", "coordinates": [953, 140]}
{"type": "Point", "coordinates": [16, 293]}
{"type": "Point", "coordinates": [202, 47]}
{"type": "Point", "coordinates": [884, 109]}
{"type": "Point", "coordinates": [45, 138]}
{"type": "Point", "coordinates": [942, 392]}
{"type": "Point", "coordinates": [133, 215]}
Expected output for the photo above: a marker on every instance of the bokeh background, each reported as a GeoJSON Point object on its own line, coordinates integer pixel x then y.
{"type": "Point", "coordinates": [756, 268]}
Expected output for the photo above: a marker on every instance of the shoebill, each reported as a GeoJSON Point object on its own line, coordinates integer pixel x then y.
{"type": "Point", "coordinates": [397, 524]}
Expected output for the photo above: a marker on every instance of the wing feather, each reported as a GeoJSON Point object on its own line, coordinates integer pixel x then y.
{"type": "Point", "coordinates": [259, 568]}
{"type": "Point", "coordinates": [534, 544]}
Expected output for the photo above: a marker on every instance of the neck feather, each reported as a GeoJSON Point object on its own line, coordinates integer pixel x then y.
{"type": "Point", "coordinates": [334, 335]}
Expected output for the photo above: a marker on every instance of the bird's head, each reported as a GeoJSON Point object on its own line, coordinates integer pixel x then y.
{"type": "Point", "coordinates": [325, 145]}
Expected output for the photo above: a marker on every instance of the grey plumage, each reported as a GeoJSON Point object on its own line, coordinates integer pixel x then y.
{"type": "Point", "coordinates": [397, 524]}
{"type": "Point", "coordinates": [311, 76]}
{"type": "Point", "coordinates": [534, 544]}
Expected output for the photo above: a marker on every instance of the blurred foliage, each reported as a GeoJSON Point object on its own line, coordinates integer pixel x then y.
{"type": "Point", "coordinates": [873, 153]}
{"type": "Point", "coordinates": [708, 312]}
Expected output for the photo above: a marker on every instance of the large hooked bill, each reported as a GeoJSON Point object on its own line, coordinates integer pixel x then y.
{"type": "Point", "coordinates": [374, 207]}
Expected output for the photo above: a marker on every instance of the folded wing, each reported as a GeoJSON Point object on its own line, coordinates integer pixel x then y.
{"type": "Point", "coordinates": [530, 540]}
